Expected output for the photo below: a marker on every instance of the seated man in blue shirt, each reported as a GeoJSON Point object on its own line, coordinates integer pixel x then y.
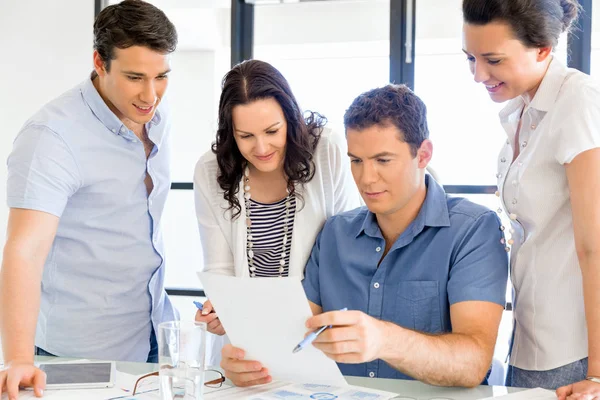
{"type": "Point", "coordinates": [423, 275]}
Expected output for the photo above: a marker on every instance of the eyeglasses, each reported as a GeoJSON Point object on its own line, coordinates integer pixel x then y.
{"type": "Point", "coordinates": [144, 385]}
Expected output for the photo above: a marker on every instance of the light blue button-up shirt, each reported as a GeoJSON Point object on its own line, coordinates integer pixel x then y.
{"type": "Point", "coordinates": [452, 252]}
{"type": "Point", "coordinates": [103, 280]}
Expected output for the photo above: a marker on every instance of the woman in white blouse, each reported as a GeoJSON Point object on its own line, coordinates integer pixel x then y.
{"type": "Point", "coordinates": [271, 180]}
{"type": "Point", "coordinates": [549, 184]}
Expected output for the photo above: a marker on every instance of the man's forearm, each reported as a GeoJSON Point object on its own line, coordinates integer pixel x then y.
{"type": "Point", "coordinates": [452, 359]}
{"type": "Point", "coordinates": [19, 306]}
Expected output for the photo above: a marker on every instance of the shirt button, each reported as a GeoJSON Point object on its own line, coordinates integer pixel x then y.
{"type": "Point", "coordinates": [514, 201]}
{"type": "Point", "coordinates": [378, 249]}
{"type": "Point", "coordinates": [524, 144]}
{"type": "Point", "coordinates": [513, 216]}
{"type": "Point", "coordinates": [515, 183]}
{"type": "Point", "coordinates": [533, 126]}
{"type": "Point", "coordinates": [520, 163]}
{"type": "Point", "coordinates": [376, 285]}
{"type": "Point", "coordinates": [497, 193]}
{"type": "Point", "coordinates": [372, 374]}
{"type": "Point", "coordinates": [503, 160]}
{"type": "Point", "coordinates": [114, 130]}
{"type": "Point", "coordinates": [498, 175]}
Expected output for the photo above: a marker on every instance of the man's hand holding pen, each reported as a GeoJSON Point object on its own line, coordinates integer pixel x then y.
{"type": "Point", "coordinates": [354, 338]}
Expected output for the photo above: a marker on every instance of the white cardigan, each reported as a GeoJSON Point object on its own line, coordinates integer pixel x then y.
{"type": "Point", "coordinates": [329, 192]}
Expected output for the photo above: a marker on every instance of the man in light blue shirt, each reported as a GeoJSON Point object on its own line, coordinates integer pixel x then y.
{"type": "Point", "coordinates": [423, 275]}
{"type": "Point", "coordinates": [88, 178]}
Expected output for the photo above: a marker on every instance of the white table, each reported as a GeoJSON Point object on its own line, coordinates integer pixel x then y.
{"type": "Point", "coordinates": [404, 388]}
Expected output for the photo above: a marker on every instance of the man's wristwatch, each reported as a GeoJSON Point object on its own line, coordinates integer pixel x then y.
{"type": "Point", "coordinates": [593, 379]}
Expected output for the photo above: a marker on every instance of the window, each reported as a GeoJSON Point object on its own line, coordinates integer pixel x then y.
{"type": "Point", "coordinates": [329, 51]}
{"type": "Point", "coordinates": [595, 56]}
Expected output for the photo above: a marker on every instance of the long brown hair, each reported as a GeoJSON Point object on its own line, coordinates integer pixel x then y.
{"type": "Point", "coordinates": [255, 80]}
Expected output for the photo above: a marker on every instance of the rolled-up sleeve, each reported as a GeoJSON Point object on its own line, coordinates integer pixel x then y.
{"type": "Point", "coordinates": [480, 269]}
{"type": "Point", "coordinates": [42, 171]}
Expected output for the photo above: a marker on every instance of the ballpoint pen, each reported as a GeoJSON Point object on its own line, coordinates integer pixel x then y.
{"type": "Point", "coordinates": [313, 335]}
{"type": "Point", "coordinates": [199, 305]}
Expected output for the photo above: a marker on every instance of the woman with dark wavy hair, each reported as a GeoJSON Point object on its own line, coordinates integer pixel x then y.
{"type": "Point", "coordinates": [548, 174]}
{"type": "Point", "coordinates": [273, 177]}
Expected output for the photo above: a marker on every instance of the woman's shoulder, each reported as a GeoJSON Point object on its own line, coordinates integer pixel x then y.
{"type": "Point", "coordinates": [331, 144]}
{"type": "Point", "coordinates": [581, 89]}
{"type": "Point", "coordinates": [205, 173]}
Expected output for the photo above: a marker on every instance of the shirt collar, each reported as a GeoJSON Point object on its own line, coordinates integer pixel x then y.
{"type": "Point", "coordinates": [103, 113]}
{"type": "Point", "coordinates": [545, 96]}
{"type": "Point", "coordinates": [433, 213]}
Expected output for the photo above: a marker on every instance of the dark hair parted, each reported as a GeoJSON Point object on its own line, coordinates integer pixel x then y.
{"type": "Point", "coordinates": [394, 105]}
{"type": "Point", "coordinates": [132, 23]}
{"type": "Point", "coordinates": [257, 80]}
{"type": "Point", "coordinates": [535, 23]}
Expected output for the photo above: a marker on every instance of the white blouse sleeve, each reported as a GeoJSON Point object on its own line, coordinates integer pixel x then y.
{"type": "Point", "coordinates": [346, 196]}
{"type": "Point", "coordinates": [579, 128]}
{"type": "Point", "coordinates": [216, 251]}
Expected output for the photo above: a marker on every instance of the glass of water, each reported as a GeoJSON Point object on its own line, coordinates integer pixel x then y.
{"type": "Point", "coordinates": [181, 349]}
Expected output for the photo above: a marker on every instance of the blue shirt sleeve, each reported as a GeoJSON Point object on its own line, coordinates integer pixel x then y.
{"type": "Point", "coordinates": [480, 270]}
{"type": "Point", "coordinates": [42, 172]}
{"type": "Point", "coordinates": [311, 273]}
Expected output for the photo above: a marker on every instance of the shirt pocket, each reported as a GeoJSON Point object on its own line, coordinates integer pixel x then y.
{"type": "Point", "coordinates": [418, 306]}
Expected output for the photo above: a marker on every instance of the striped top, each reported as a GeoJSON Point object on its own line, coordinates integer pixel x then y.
{"type": "Point", "coordinates": [266, 239]}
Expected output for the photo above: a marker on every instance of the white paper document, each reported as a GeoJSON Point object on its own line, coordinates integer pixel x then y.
{"type": "Point", "coordinates": [531, 394]}
{"type": "Point", "coordinates": [266, 318]}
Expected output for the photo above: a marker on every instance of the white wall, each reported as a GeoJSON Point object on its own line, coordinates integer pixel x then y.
{"type": "Point", "coordinates": [46, 48]}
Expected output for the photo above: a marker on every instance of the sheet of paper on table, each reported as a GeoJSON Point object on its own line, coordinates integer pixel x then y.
{"type": "Point", "coordinates": [284, 390]}
{"type": "Point", "coordinates": [531, 394]}
{"type": "Point", "coordinates": [266, 318]}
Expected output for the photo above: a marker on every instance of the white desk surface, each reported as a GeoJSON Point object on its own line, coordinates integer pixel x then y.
{"type": "Point", "coordinates": [404, 388]}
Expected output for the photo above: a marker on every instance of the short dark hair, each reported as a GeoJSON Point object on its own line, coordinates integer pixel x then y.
{"type": "Point", "coordinates": [394, 105]}
{"type": "Point", "coordinates": [257, 80]}
{"type": "Point", "coordinates": [535, 23]}
{"type": "Point", "coordinates": [132, 23]}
